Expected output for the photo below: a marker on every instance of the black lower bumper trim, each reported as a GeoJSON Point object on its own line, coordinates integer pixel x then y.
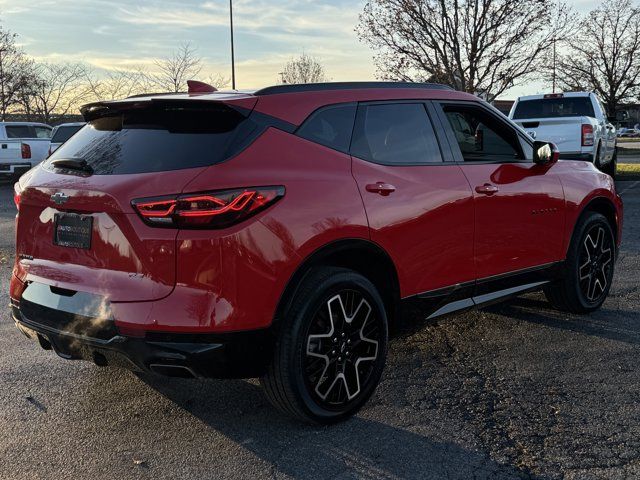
{"type": "Point", "coordinates": [230, 355]}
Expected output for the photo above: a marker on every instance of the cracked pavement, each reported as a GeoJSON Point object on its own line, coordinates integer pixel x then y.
{"type": "Point", "coordinates": [516, 390]}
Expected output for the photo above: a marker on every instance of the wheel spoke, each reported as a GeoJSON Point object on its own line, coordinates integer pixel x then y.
{"type": "Point", "coordinates": [341, 349]}
{"type": "Point", "coordinates": [594, 267]}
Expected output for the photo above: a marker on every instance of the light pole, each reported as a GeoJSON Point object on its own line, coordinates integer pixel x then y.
{"type": "Point", "coordinates": [233, 59]}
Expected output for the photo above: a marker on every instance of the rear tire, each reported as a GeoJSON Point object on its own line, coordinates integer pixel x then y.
{"type": "Point", "coordinates": [588, 269]}
{"type": "Point", "coordinates": [331, 348]}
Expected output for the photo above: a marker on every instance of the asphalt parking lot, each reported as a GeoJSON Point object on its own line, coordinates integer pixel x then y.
{"type": "Point", "coordinates": [512, 391]}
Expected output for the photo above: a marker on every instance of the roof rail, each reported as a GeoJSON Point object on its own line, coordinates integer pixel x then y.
{"type": "Point", "coordinates": [319, 87]}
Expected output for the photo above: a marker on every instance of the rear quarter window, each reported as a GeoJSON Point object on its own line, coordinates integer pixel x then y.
{"type": "Point", "coordinates": [154, 140]}
{"type": "Point", "coordinates": [330, 126]}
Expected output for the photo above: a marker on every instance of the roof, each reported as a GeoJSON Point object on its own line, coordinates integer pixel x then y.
{"type": "Point", "coordinates": [36, 124]}
{"type": "Point", "coordinates": [70, 124]}
{"type": "Point", "coordinates": [327, 86]}
{"type": "Point", "coordinates": [291, 103]}
{"type": "Point", "coordinates": [564, 95]}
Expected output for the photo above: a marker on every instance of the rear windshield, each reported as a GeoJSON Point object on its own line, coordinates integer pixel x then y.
{"type": "Point", "coordinates": [554, 107]}
{"type": "Point", "coordinates": [154, 140]}
{"type": "Point", "coordinates": [65, 133]}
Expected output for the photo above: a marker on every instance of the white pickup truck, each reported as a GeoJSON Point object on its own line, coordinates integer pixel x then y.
{"type": "Point", "coordinates": [15, 159]}
{"type": "Point", "coordinates": [575, 121]}
{"type": "Point", "coordinates": [36, 135]}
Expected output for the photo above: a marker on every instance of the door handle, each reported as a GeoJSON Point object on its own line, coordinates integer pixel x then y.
{"type": "Point", "coordinates": [381, 188]}
{"type": "Point", "coordinates": [487, 189]}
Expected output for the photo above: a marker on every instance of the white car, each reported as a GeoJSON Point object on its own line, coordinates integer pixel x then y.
{"type": "Point", "coordinates": [62, 133]}
{"type": "Point", "coordinates": [576, 122]}
{"type": "Point", "coordinates": [36, 135]}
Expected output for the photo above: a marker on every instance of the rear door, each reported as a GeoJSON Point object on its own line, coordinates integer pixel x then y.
{"type": "Point", "coordinates": [519, 206]}
{"type": "Point", "coordinates": [419, 207]}
{"type": "Point", "coordinates": [76, 226]}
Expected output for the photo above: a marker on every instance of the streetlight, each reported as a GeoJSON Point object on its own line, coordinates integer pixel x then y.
{"type": "Point", "coordinates": [233, 60]}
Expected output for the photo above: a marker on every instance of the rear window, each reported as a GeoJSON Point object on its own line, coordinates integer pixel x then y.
{"type": "Point", "coordinates": [154, 140]}
{"type": "Point", "coordinates": [20, 131]}
{"type": "Point", "coordinates": [65, 133]}
{"type": "Point", "coordinates": [554, 107]}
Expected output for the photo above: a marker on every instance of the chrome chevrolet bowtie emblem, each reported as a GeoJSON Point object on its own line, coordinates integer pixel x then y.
{"type": "Point", "coordinates": [59, 198]}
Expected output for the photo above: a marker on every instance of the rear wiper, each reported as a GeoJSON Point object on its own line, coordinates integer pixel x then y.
{"type": "Point", "coordinates": [72, 164]}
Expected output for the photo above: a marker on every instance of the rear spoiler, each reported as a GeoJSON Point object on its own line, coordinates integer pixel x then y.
{"type": "Point", "coordinates": [242, 104]}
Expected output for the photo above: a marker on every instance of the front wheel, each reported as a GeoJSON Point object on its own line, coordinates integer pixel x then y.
{"type": "Point", "coordinates": [588, 270]}
{"type": "Point", "coordinates": [331, 348]}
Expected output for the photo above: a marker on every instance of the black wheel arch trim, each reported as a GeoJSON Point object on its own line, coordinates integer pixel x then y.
{"type": "Point", "coordinates": [333, 250]}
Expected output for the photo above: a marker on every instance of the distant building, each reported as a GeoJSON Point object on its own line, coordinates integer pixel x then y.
{"type": "Point", "coordinates": [503, 105]}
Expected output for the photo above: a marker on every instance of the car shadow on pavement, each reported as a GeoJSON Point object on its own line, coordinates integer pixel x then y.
{"type": "Point", "coordinates": [618, 325]}
{"type": "Point", "coordinates": [357, 448]}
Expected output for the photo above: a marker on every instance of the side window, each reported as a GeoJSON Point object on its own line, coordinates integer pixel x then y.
{"type": "Point", "coordinates": [395, 134]}
{"type": "Point", "coordinates": [19, 131]}
{"type": "Point", "coordinates": [330, 126]}
{"type": "Point", "coordinates": [43, 132]}
{"type": "Point", "coordinates": [482, 137]}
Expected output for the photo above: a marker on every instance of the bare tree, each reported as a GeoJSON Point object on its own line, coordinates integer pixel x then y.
{"type": "Point", "coordinates": [218, 80]}
{"type": "Point", "coordinates": [604, 55]}
{"type": "Point", "coordinates": [173, 72]}
{"type": "Point", "coordinates": [59, 89]}
{"type": "Point", "coordinates": [115, 84]}
{"type": "Point", "coordinates": [303, 69]}
{"type": "Point", "coordinates": [478, 46]}
{"type": "Point", "coordinates": [15, 72]}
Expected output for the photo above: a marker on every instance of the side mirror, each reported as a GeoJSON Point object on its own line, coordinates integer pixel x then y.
{"type": "Point", "coordinates": [545, 153]}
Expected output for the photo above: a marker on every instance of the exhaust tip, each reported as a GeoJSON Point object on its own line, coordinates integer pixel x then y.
{"type": "Point", "coordinates": [177, 371]}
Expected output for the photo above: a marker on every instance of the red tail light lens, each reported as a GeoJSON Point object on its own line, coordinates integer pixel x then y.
{"type": "Point", "coordinates": [16, 196]}
{"type": "Point", "coordinates": [26, 151]}
{"type": "Point", "coordinates": [587, 135]}
{"type": "Point", "coordinates": [207, 210]}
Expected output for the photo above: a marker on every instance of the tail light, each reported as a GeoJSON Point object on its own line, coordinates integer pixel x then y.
{"type": "Point", "coordinates": [587, 135]}
{"type": "Point", "coordinates": [26, 151]}
{"type": "Point", "coordinates": [16, 196]}
{"type": "Point", "coordinates": [206, 210]}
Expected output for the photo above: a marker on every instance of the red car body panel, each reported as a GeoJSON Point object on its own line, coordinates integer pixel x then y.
{"type": "Point", "coordinates": [529, 192]}
{"type": "Point", "coordinates": [437, 230]}
{"type": "Point", "coordinates": [426, 225]}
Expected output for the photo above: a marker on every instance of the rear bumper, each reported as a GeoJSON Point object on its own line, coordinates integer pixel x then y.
{"type": "Point", "coordinates": [13, 170]}
{"type": "Point", "coordinates": [229, 355]}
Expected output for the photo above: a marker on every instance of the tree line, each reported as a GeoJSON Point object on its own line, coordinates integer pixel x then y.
{"type": "Point", "coordinates": [488, 46]}
{"type": "Point", "coordinates": [484, 47]}
{"type": "Point", "coordinates": [48, 92]}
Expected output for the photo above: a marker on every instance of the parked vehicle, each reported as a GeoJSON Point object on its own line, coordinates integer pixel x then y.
{"type": "Point", "coordinates": [63, 132]}
{"type": "Point", "coordinates": [36, 135]}
{"type": "Point", "coordinates": [629, 133]}
{"type": "Point", "coordinates": [575, 121]}
{"type": "Point", "coordinates": [277, 234]}
{"type": "Point", "coordinates": [15, 158]}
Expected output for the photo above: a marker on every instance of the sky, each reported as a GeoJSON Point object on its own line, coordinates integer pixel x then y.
{"type": "Point", "coordinates": [120, 34]}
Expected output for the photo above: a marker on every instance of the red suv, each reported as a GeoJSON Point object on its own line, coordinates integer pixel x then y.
{"type": "Point", "coordinates": [277, 234]}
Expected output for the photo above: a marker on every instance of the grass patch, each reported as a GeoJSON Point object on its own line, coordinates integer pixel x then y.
{"type": "Point", "coordinates": [628, 170]}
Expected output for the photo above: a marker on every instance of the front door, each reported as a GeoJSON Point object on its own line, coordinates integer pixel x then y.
{"type": "Point", "coordinates": [519, 206]}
